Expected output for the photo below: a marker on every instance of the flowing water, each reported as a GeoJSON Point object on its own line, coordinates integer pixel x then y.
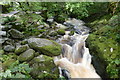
{"type": "Point", "coordinates": [75, 60]}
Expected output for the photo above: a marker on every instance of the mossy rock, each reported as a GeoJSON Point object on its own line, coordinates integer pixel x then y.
{"type": "Point", "coordinates": [61, 32]}
{"type": "Point", "coordinates": [71, 33]}
{"type": "Point", "coordinates": [103, 46]}
{"type": "Point", "coordinates": [15, 34]}
{"type": "Point", "coordinates": [21, 49]}
{"type": "Point", "coordinates": [27, 55]}
{"type": "Point", "coordinates": [53, 34]}
{"type": "Point", "coordinates": [9, 48]}
{"type": "Point", "coordinates": [43, 67]}
{"type": "Point", "coordinates": [47, 47]}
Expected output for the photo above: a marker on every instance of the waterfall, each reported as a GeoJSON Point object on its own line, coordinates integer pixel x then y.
{"type": "Point", "coordinates": [75, 57]}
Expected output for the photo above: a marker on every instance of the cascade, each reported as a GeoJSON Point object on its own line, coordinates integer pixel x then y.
{"type": "Point", "coordinates": [75, 59]}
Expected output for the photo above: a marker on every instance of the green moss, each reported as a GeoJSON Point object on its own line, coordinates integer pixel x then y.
{"type": "Point", "coordinates": [42, 30]}
{"type": "Point", "coordinates": [43, 67]}
{"type": "Point", "coordinates": [61, 31]}
{"type": "Point", "coordinates": [71, 32]}
{"type": "Point", "coordinates": [2, 52]}
{"type": "Point", "coordinates": [103, 44]}
{"type": "Point", "coordinates": [51, 50]}
{"type": "Point", "coordinates": [53, 34]}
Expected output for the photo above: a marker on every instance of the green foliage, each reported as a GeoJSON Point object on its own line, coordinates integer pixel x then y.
{"type": "Point", "coordinates": [8, 20]}
{"type": "Point", "coordinates": [17, 70]}
{"type": "Point", "coordinates": [113, 68]}
{"type": "Point", "coordinates": [78, 10]}
{"type": "Point", "coordinates": [4, 58]}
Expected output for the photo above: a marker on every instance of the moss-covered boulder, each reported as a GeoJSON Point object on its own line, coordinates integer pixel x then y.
{"type": "Point", "coordinates": [47, 47]}
{"type": "Point", "coordinates": [21, 49]}
{"type": "Point", "coordinates": [43, 67]}
{"type": "Point", "coordinates": [15, 34]}
{"type": "Point", "coordinates": [104, 46]}
{"type": "Point", "coordinates": [27, 55]}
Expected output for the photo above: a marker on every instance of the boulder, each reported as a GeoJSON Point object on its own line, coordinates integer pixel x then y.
{"type": "Point", "coordinates": [47, 47]}
{"type": "Point", "coordinates": [43, 67]}
{"type": "Point", "coordinates": [9, 48]}
{"type": "Point", "coordinates": [21, 49]}
{"type": "Point", "coordinates": [27, 55]}
{"type": "Point", "coordinates": [15, 34]}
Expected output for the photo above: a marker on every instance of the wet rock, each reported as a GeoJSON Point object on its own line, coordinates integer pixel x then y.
{"type": "Point", "coordinates": [27, 55]}
{"type": "Point", "coordinates": [15, 34]}
{"type": "Point", "coordinates": [43, 67]}
{"type": "Point", "coordinates": [21, 49]}
{"type": "Point", "coordinates": [47, 47]}
{"type": "Point", "coordinates": [9, 48]}
{"type": "Point", "coordinates": [60, 26]}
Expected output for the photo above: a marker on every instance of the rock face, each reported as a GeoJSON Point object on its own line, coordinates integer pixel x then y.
{"type": "Point", "coordinates": [27, 55]}
{"type": "Point", "coordinates": [15, 34]}
{"type": "Point", "coordinates": [9, 48]}
{"type": "Point", "coordinates": [43, 67]}
{"type": "Point", "coordinates": [45, 46]}
{"type": "Point", "coordinates": [104, 46]}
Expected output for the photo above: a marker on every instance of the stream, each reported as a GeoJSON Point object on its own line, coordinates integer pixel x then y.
{"type": "Point", "coordinates": [75, 60]}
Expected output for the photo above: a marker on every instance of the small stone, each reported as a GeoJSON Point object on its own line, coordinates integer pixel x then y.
{"type": "Point", "coordinates": [21, 49]}
{"type": "Point", "coordinates": [15, 34]}
{"type": "Point", "coordinates": [9, 48]}
{"type": "Point", "coordinates": [24, 42]}
{"type": "Point", "coordinates": [27, 55]}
